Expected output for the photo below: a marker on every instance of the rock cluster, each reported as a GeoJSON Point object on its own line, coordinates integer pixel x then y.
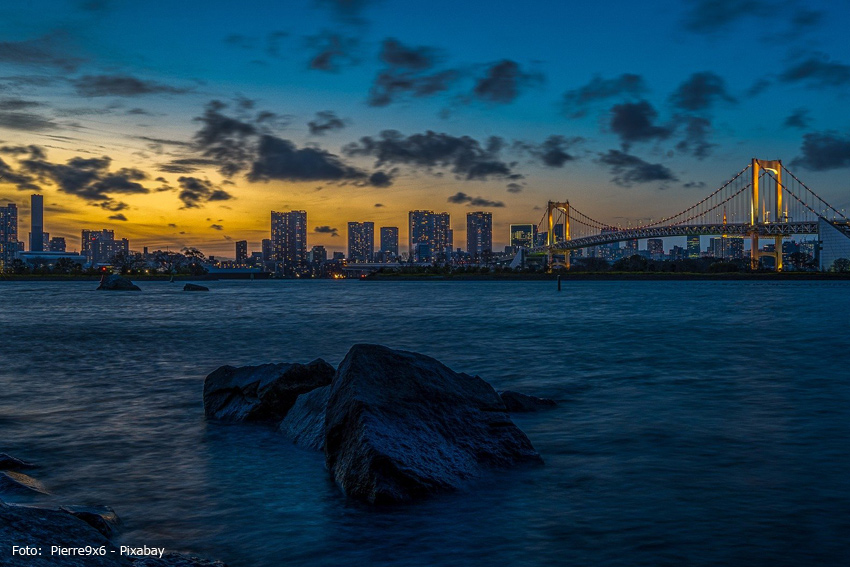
{"type": "Point", "coordinates": [117, 283]}
{"type": "Point", "coordinates": [394, 425]}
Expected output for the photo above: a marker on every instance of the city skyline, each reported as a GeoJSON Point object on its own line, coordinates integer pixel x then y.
{"type": "Point", "coordinates": [336, 107]}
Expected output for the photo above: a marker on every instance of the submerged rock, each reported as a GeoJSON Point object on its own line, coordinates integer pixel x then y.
{"type": "Point", "coordinates": [401, 425]}
{"type": "Point", "coordinates": [195, 287]}
{"type": "Point", "coordinates": [516, 402]}
{"type": "Point", "coordinates": [261, 393]}
{"type": "Point", "coordinates": [8, 462]}
{"type": "Point", "coordinates": [305, 422]}
{"type": "Point", "coordinates": [102, 518]}
{"type": "Point", "coordinates": [15, 482]}
{"type": "Point", "coordinates": [117, 283]}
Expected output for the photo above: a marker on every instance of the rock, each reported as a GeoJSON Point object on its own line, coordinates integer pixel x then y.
{"type": "Point", "coordinates": [117, 283]}
{"type": "Point", "coordinates": [305, 422]}
{"type": "Point", "coordinates": [171, 559]}
{"type": "Point", "coordinates": [102, 518]}
{"type": "Point", "coordinates": [40, 527]}
{"type": "Point", "coordinates": [401, 425]}
{"type": "Point", "coordinates": [194, 287]}
{"type": "Point", "coordinates": [8, 462]}
{"type": "Point", "coordinates": [261, 393]}
{"type": "Point", "coordinates": [516, 402]}
{"type": "Point", "coordinates": [20, 483]}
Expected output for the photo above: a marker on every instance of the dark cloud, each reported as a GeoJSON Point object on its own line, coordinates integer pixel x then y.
{"type": "Point", "coordinates": [349, 11]}
{"type": "Point", "coordinates": [118, 217]}
{"type": "Point", "coordinates": [700, 92]}
{"type": "Point", "coordinates": [552, 152]}
{"type": "Point", "coordinates": [216, 227]}
{"type": "Point", "coordinates": [709, 16]}
{"type": "Point", "coordinates": [628, 169]}
{"type": "Point", "coordinates": [695, 141]}
{"type": "Point", "coordinates": [515, 188]}
{"type": "Point", "coordinates": [378, 205]}
{"type": "Point", "coordinates": [22, 181]}
{"type": "Point", "coordinates": [87, 178]}
{"type": "Point", "coordinates": [195, 192]}
{"type": "Point", "coordinates": [240, 41]}
{"type": "Point", "coordinates": [823, 151]}
{"type": "Point", "coordinates": [758, 87]}
{"type": "Point", "coordinates": [805, 17]}
{"type": "Point", "coordinates": [326, 230]}
{"type": "Point", "coordinates": [224, 139]}
{"type": "Point", "coordinates": [26, 121]}
{"type": "Point", "coordinates": [31, 150]}
{"type": "Point", "coordinates": [799, 118]}
{"type": "Point", "coordinates": [463, 156]}
{"type": "Point", "coordinates": [324, 122]}
{"type": "Point", "coordinates": [18, 104]}
{"type": "Point", "coordinates": [408, 73]}
{"type": "Point", "coordinates": [187, 165]}
{"type": "Point", "coordinates": [694, 185]}
{"type": "Point", "coordinates": [163, 141]}
{"type": "Point", "coordinates": [503, 82]}
{"type": "Point", "coordinates": [381, 179]}
{"type": "Point", "coordinates": [331, 51]}
{"type": "Point", "coordinates": [281, 159]}
{"type": "Point", "coordinates": [634, 122]}
{"type": "Point", "coordinates": [95, 5]}
{"type": "Point", "coordinates": [49, 50]}
{"type": "Point", "coordinates": [461, 198]}
{"type": "Point", "coordinates": [577, 101]}
{"type": "Point", "coordinates": [139, 111]}
{"type": "Point", "coordinates": [121, 85]}
{"type": "Point", "coordinates": [818, 71]}
{"type": "Point", "coordinates": [113, 206]}
{"type": "Point", "coordinates": [273, 41]}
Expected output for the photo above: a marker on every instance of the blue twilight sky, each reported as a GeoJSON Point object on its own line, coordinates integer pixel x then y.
{"type": "Point", "coordinates": [185, 123]}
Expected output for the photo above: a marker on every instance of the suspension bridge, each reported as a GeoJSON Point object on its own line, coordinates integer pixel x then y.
{"type": "Point", "coordinates": [762, 201]}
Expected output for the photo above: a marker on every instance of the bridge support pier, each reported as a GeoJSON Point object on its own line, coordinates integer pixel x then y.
{"type": "Point", "coordinates": [551, 207]}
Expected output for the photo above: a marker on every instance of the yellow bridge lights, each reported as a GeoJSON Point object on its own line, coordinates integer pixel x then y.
{"type": "Point", "coordinates": [775, 167]}
{"type": "Point", "coordinates": [551, 207]}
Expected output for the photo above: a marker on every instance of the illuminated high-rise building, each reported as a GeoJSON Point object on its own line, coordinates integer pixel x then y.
{"type": "Point", "coordinates": [693, 246]}
{"type": "Point", "coordinates": [522, 235]}
{"type": "Point", "coordinates": [389, 241]}
{"type": "Point", "coordinates": [100, 246]}
{"type": "Point", "coordinates": [37, 223]}
{"type": "Point", "coordinates": [241, 251]}
{"type": "Point", "coordinates": [8, 235]}
{"type": "Point", "coordinates": [655, 248]}
{"type": "Point", "coordinates": [289, 241]}
{"type": "Point", "coordinates": [361, 241]}
{"type": "Point", "coordinates": [430, 236]}
{"type": "Point", "coordinates": [479, 235]}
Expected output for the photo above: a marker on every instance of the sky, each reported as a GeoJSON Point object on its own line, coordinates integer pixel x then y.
{"type": "Point", "coordinates": [185, 123]}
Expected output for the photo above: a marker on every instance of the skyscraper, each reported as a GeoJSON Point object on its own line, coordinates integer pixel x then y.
{"type": "Point", "coordinates": [56, 244]}
{"type": "Point", "coordinates": [479, 235]}
{"type": "Point", "coordinates": [389, 241]}
{"type": "Point", "coordinates": [655, 247]}
{"type": "Point", "coordinates": [241, 251]}
{"type": "Point", "coordinates": [100, 246]}
{"type": "Point", "coordinates": [289, 241]}
{"type": "Point", "coordinates": [693, 246]}
{"type": "Point", "coordinates": [361, 241]}
{"type": "Point", "coordinates": [430, 236]}
{"type": "Point", "coordinates": [267, 249]}
{"type": "Point", "coordinates": [8, 235]}
{"type": "Point", "coordinates": [37, 223]}
{"type": "Point", "coordinates": [522, 235]}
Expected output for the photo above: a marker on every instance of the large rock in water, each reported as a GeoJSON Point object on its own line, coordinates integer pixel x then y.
{"type": "Point", "coordinates": [516, 402]}
{"type": "Point", "coordinates": [117, 283]}
{"type": "Point", "coordinates": [261, 393]}
{"type": "Point", "coordinates": [401, 425]}
{"type": "Point", "coordinates": [305, 422]}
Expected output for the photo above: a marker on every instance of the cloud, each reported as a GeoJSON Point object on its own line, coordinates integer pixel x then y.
{"type": "Point", "coordinates": [118, 217]}
{"type": "Point", "coordinates": [324, 122]}
{"type": "Point", "coordinates": [700, 92]}
{"type": "Point", "coordinates": [628, 169]}
{"type": "Point", "coordinates": [503, 82]}
{"type": "Point", "coordinates": [515, 188]}
{"type": "Point", "coordinates": [805, 17]}
{"type": "Point", "coordinates": [22, 181]}
{"type": "Point", "coordinates": [113, 206]}
{"type": "Point", "coordinates": [461, 198]}
{"type": "Point", "coordinates": [187, 165]}
{"type": "Point", "coordinates": [407, 73]}
{"type": "Point", "coordinates": [162, 141]}
{"type": "Point", "coordinates": [381, 179]}
{"type": "Point", "coordinates": [552, 152]}
{"type": "Point", "coordinates": [378, 205]}
{"type": "Point", "coordinates": [326, 230]}
{"type": "Point", "coordinates": [823, 151]}
{"type": "Point", "coordinates": [576, 102]}
{"type": "Point", "coordinates": [281, 159]}
{"type": "Point", "coordinates": [26, 121]}
{"type": "Point", "coordinates": [216, 227]}
{"type": "Point", "coordinates": [18, 104]}
{"type": "Point", "coordinates": [46, 51]}
{"type": "Point", "coordinates": [710, 16]}
{"type": "Point", "coordinates": [463, 156]}
{"type": "Point", "coordinates": [195, 192]}
{"type": "Point", "coordinates": [633, 122]}
{"type": "Point", "coordinates": [818, 71]}
{"type": "Point", "coordinates": [349, 11]}
{"type": "Point", "coordinates": [273, 41]}
{"type": "Point", "coordinates": [696, 141]}
{"type": "Point", "coordinates": [331, 51]}
{"type": "Point", "coordinates": [121, 85]}
{"type": "Point", "coordinates": [224, 139]}
{"type": "Point", "coordinates": [240, 41]}
{"type": "Point", "coordinates": [799, 118]}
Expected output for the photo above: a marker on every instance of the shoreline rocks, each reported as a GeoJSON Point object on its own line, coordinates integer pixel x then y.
{"type": "Point", "coordinates": [262, 393]}
{"type": "Point", "coordinates": [195, 287]}
{"type": "Point", "coordinates": [115, 282]}
{"type": "Point", "coordinates": [516, 402]}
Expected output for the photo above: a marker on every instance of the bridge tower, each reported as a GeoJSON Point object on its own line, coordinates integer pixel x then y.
{"type": "Point", "coordinates": [551, 207]}
{"type": "Point", "coordinates": [775, 167]}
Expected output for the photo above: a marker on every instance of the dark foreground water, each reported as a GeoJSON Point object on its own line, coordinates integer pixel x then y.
{"type": "Point", "coordinates": [701, 423]}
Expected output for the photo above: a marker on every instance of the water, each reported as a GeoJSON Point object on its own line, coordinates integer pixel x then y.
{"type": "Point", "coordinates": [701, 423]}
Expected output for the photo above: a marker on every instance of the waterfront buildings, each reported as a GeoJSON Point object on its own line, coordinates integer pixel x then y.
{"type": "Point", "coordinates": [100, 246]}
{"type": "Point", "coordinates": [361, 241]}
{"type": "Point", "coordinates": [834, 243]}
{"type": "Point", "coordinates": [8, 235]}
{"type": "Point", "coordinates": [479, 236]}
{"type": "Point", "coordinates": [289, 242]}
{"type": "Point", "coordinates": [56, 244]}
{"type": "Point", "coordinates": [241, 251]}
{"type": "Point", "coordinates": [522, 236]}
{"type": "Point", "coordinates": [655, 248]}
{"type": "Point", "coordinates": [430, 236]}
{"type": "Point", "coordinates": [37, 223]}
{"type": "Point", "coordinates": [389, 242]}
{"type": "Point", "coordinates": [692, 246]}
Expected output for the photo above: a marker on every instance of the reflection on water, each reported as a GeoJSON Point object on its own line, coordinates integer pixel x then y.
{"type": "Point", "coordinates": [701, 423]}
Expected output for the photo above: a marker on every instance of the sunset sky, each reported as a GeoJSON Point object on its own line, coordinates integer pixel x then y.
{"type": "Point", "coordinates": [186, 123]}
